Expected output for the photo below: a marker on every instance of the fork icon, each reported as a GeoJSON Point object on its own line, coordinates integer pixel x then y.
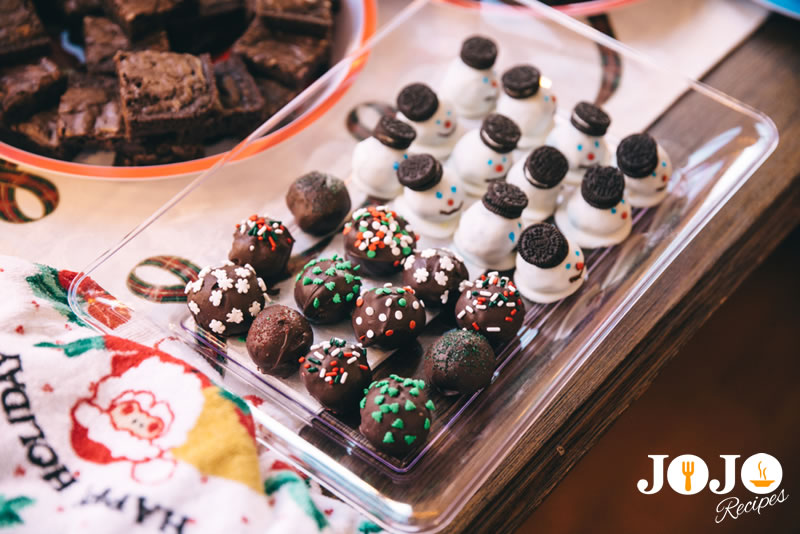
{"type": "Point", "coordinates": [687, 468]}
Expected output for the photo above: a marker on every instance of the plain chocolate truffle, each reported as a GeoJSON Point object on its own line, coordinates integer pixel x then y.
{"type": "Point", "coordinates": [319, 202]}
{"type": "Point", "coordinates": [460, 361]}
{"type": "Point", "coordinates": [277, 339]}
{"type": "Point", "coordinates": [335, 373]}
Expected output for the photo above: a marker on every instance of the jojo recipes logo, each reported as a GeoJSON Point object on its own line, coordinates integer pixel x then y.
{"type": "Point", "coordinates": [688, 474]}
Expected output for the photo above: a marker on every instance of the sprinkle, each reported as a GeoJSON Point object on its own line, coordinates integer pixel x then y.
{"type": "Point", "coordinates": [394, 407]}
{"type": "Point", "coordinates": [379, 399]}
{"type": "Point", "coordinates": [414, 392]}
{"type": "Point", "coordinates": [461, 314]}
{"type": "Point", "coordinates": [377, 415]}
{"type": "Point", "coordinates": [382, 317]}
{"type": "Point", "coordinates": [398, 423]}
{"type": "Point", "coordinates": [415, 304]}
{"type": "Point", "coordinates": [388, 438]}
{"type": "Point", "coordinates": [216, 326]}
{"type": "Point", "coordinates": [369, 311]}
{"type": "Point", "coordinates": [410, 406]}
{"type": "Point", "coordinates": [370, 334]}
{"type": "Point", "coordinates": [344, 377]}
{"type": "Point", "coordinates": [363, 403]}
{"type": "Point", "coordinates": [429, 405]}
{"type": "Point", "coordinates": [492, 328]}
{"type": "Point", "coordinates": [409, 439]}
{"type": "Point", "coordinates": [393, 392]}
{"type": "Point", "coordinates": [359, 320]}
{"type": "Point", "coordinates": [389, 333]}
{"type": "Point", "coordinates": [364, 367]}
{"type": "Point", "coordinates": [316, 303]}
{"type": "Point", "coordinates": [330, 286]}
{"type": "Point", "coordinates": [427, 424]}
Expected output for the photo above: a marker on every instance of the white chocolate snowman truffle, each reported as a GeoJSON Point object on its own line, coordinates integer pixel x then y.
{"type": "Point", "coordinates": [597, 215]}
{"type": "Point", "coordinates": [470, 82]}
{"type": "Point", "coordinates": [434, 120]}
{"type": "Point", "coordinates": [377, 158]}
{"type": "Point", "coordinates": [539, 176]}
{"type": "Point", "coordinates": [488, 230]}
{"type": "Point", "coordinates": [647, 169]}
{"type": "Point", "coordinates": [549, 266]}
{"type": "Point", "coordinates": [485, 155]}
{"type": "Point", "coordinates": [581, 141]}
{"type": "Point", "coordinates": [432, 199]}
{"type": "Point", "coordinates": [531, 106]}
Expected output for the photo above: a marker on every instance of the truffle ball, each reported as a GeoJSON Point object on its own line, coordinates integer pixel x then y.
{"type": "Point", "coordinates": [435, 275]}
{"type": "Point", "coordinates": [460, 361]}
{"type": "Point", "coordinates": [491, 305]}
{"type": "Point", "coordinates": [264, 243]}
{"type": "Point", "coordinates": [319, 202]}
{"type": "Point", "coordinates": [335, 373]}
{"type": "Point", "coordinates": [277, 339]}
{"type": "Point", "coordinates": [388, 316]}
{"type": "Point", "coordinates": [379, 240]}
{"type": "Point", "coordinates": [326, 289]}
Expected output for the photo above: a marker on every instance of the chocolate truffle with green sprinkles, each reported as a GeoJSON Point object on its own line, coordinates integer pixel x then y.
{"type": "Point", "coordinates": [379, 240]}
{"type": "Point", "coordinates": [396, 415]}
{"type": "Point", "coordinates": [335, 373]}
{"type": "Point", "coordinates": [460, 361]}
{"type": "Point", "coordinates": [327, 288]}
{"type": "Point", "coordinates": [388, 316]}
{"type": "Point", "coordinates": [491, 305]}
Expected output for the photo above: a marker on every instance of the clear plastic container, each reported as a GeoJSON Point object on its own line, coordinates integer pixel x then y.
{"type": "Point", "coordinates": [471, 435]}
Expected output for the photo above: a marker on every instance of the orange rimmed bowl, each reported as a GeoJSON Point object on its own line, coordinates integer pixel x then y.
{"type": "Point", "coordinates": [575, 9]}
{"type": "Point", "coordinates": [356, 23]}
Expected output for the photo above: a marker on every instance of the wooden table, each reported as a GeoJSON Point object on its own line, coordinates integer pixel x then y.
{"type": "Point", "coordinates": [763, 72]}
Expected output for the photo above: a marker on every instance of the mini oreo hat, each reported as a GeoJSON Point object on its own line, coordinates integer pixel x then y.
{"type": "Point", "coordinates": [505, 199]}
{"type": "Point", "coordinates": [521, 81]}
{"type": "Point", "coordinates": [543, 245]}
{"type": "Point", "coordinates": [590, 119]}
{"type": "Point", "coordinates": [478, 52]}
{"type": "Point", "coordinates": [418, 102]}
{"type": "Point", "coordinates": [602, 187]}
{"type": "Point", "coordinates": [637, 155]}
{"type": "Point", "coordinates": [500, 133]}
{"type": "Point", "coordinates": [394, 133]}
{"type": "Point", "coordinates": [420, 172]}
{"type": "Point", "coordinates": [545, 167]}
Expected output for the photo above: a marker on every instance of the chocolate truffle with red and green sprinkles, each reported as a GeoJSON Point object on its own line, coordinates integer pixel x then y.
{"type": "Point", "coordinates": [335, 373]}
{"type": "Point", "coordinates": [435, 275]}
{"type": "Point", "coordinates": [379, 240]}
{"type": "Point", "coordinates": [396, 415]}
{"type": "Point", "coordinates": [388, 316]}
{"type": "Point", "coordinates": [491, 305]}
{"type": "Point", "coordinates": [264, 243]}
{"type": "Point", "coordinates": [327, 288]}
{"type": "Point", "coordinates": [278, 338]}
{"type": "Point", "coordinates": [461, 361]}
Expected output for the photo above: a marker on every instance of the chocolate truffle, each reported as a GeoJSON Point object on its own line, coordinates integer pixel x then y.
{"type": "Point", "coordinates": [264, 243]}
{"type": "Point", "coordinates": [226, 299]}
{"type": "Point", "coordinates": [379, 240]}
{"type": "Point", "coordinates": [435, 275]}
{"type": "Point", "coordinates": [491, 305]}
{"type": "Point", "coordinates": [326, 289]}
{"type": "Point", "coordinates": [500, 133]}
{"type": "Point", "coordinates": [319, 202]}
{"type": "Point", "coordinates": [590, 119]}
{"type": "Point", "coordinates": [396, 415]}
{"type": "Point", "coordinates": [278, 338]}
{"type": "Point", "coordinates": [335, 373]}
{"type": "Point", "coordinates": [388, 316]}
{"type": "Point", "coordinates": [460, 361]}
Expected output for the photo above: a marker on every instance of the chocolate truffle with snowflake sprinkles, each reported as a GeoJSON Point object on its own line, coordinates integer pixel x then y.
{"type": "Point", "coordinates": [278, 338]}
{"type": "Point", "coordinates": [388, 316]}
{"type": "Point", "coordinates": [491, 305]}
{"type": "Point", "coordinates": [460, 361]}
{"type": "Point", "coordinates": [379, 240]}
{"type": "Point", "coordinates": [225, 300]}
{"type": "Point", "coordinates": [327, 288]}
{"type": "Point", "coordinates": [335, 373]}
{"type": "Point", "coordinates": [264, 243]}
{"type": "Point", "coordinates": [435, 275]}
{"type": "Point", "coordinates": [396, 415]}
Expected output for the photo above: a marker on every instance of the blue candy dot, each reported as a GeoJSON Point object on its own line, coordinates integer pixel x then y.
{"type": "Point", "coordinates": [654, 173]}
{"type": "Point", "coordinates": [505, 159]}
{"type": "Point", "coordinates": [439, 194]}
{"type": "Point", "coordinates": [597, 144]}
{"type": "Point", "coordinates": [453, 189]}
{"type": "Point", "coordinates": [577, 252]}
{"type": "Point", "coordinates": [580, 147]}
{"type": "Point", "coordinates": [395, 165]}
{"type": "Point", "coordinates": [405, 156]}
{"type": "Point", "coordinates": [449, 113]}
{"type": "Point", "coordinates": [546, 98]}
{"type": "Point", "coordinates": [438, 121]}
{"type": "Point", "coordinates": [489, 162]}
{"type": "Point", "coordinates": [511, 236]}
{"type": "Point", "coordinates": [519, 225]}
{"type": "Point", "coordinates": [622, 201]}
{"type": "Point", "coordinates": [663, 163]}
{"type": "Point", "coordinates": [485, 79]}
{"type": "Point", "coordinates": [569, 265]}
{"type": "Point", "coordinates": [613, 210]}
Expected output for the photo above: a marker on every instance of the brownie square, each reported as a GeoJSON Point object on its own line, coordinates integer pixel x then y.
{"type": "Point", "coordinates": [164, 92]}
{"type": "Point", "coordinates": [22, 34]}
{"type": "Point", "coordinates": [104, 38]}
{"type": "Point", "coordinates": [275, 95]}
{"type": "Point", "coordinates": [140, 17]}
{"type": "Point", "coordinates": [39, 134]}
{"type": "Point", "coordinates": [208, 26]}
{"type": "Point", "coordinates": [156, 151]}
{"type": "Point", "coordinates": [291, 59]}
{"type": "Point", "coordinates": [314, 17]}
{"type": "Point", "coordinates": [89, 112]}
{"type": "Point", "coordinates": [241, 104]}
{"type": "Point", "coordinates": [25, 89]}
{"type": "Point", "coordinates": [75, 10]}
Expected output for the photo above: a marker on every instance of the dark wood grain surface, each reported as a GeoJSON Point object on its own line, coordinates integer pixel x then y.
{"type": "Point", "coordinates": [765, 73]}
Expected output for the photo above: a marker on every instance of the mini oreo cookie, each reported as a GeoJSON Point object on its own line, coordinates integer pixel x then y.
{"type": "Point", "coordinates": [500, 133]}
{"type": "Point", "coordinates": [543, 245]}
{"type": "Point", "coordinates": [505, 199]}
{"type": "Point", "coordinates": [478, 52]}
{"type": "Point", "coordinates": [590, 119]}
{"type": "Point", "coordinates": [545, 167]}
{"type": "Point", "coordinates": [420, 172]}
{"type": "Point", "coordinates": [602, 187]}
{"type": "Point", "coordinates": [394, 133]}
{"type": "Point", "coordinates": [637, 155]}
{"type": "Point", "coordinates": [521, 81]}
{"type": "Point", "coordinates": [418, 102]}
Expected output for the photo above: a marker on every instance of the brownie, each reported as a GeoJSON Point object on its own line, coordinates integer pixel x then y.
{"type": "Point", "coordinates": [157, 150]}
{"type": "Point", "coordinates": [89, 112]}
{"type": "Point", "coordinates": [22, 34]}
{"type": "Point", "coordinates": [312, 17]}
{"type": "Point", "coordinates": [275, 95]}
{"type": "Point", "coordinates": [104, 38]}
{"type": "Point", "coordinates": [140, 17]}
{"type": "Point", "coordinates": [75, 10]}
{"type": "Point", "coordinates": [39, 134]}
{"type": "Point", "coordinates": [291, 59]}
{"type": "Point", "coordinates": [241, 104]}
{"type": "Point", "coordinates": [208, 26]}
{"type": "Point", "coordinates": [164, 92]}
{"type": "Point", "coordinates": [25, 89]}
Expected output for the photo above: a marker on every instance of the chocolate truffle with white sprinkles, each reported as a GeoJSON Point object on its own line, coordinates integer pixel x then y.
{"type": "Point", "coordinates": [278, 338]}
{"type": "Point", "coordinates": [378, 239]}
{"type": "Point", "coordinates": [388, 316]}
{"type": "Point", "coordinates": [226, 299]}
{"type": "Point", "coordinates": [319, 202]}
{"type": "Point", "coordinates": [264, 243]}
{"type": "Point", "coordinates": [326, 289]}
{"type": "Point", "coordinates": [460, 361]}
{"type": "Point", "coordinates": [396, 415]}
{"type": "Point", "coordinates": [491, 305]}
{"type": "Point", "coordinates": [335, 373]}
{"type": "Point", "coordinates": [435, 274]}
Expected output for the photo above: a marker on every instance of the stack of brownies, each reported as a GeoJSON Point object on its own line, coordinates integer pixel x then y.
{"type": "Point", "coordinates": [148, 88]}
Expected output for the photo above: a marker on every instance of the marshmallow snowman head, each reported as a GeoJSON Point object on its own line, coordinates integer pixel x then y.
{"type": "Point", "coordinates": [647, 169]}
{"type": "Point", "coordinates": [532, 106]}
{"type": "Point", "coordinates": [549, 266]}
{"type": "Point", "coordinates": [471, 83]}
{"type": "Point", "coordinates": [583, 143]}
{"type": "Point", "coordinates": [485, 156]}
{"type": "Point", "coordinates": [433, 119]}
{"type": "Point", "coordinates": [377, 158]}
{"type": "Point", "coordinates": [430, 192]}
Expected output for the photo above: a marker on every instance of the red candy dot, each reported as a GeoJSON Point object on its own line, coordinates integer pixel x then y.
{"type": "Point", "coordinates": [579, 265]}
{"type": "Point", "coordinates": [664, 178]}
{"type": "Point", "coordinates": [450, 202]}
{"type": "Point", "coordinates": [624, 214]}
{"type": "Point", "coordinates": [447, 124]}
{"type": "Point", "coordinates": [494, 83]}
{"type": "Point", "coordinates": [590, 156]}
{"type": "Point", "coordinates": [359, 301]}
{"type": "Point", "coordinates": [412, 325]}
{"type": "Point", "coordinates": [498, 168]}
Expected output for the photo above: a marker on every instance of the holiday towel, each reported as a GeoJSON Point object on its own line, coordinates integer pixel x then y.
{"type": "Point", "coordinates": [102, 434]}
